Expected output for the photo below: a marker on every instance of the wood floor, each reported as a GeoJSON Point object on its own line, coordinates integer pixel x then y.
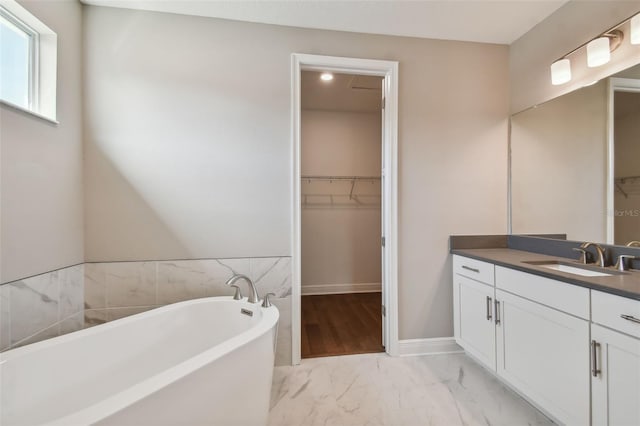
{"type": "Point", "coordinates": [341, 324]}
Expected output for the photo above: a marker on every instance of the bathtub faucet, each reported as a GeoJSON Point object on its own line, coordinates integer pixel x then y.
{"type": "Point", "coordinates": [253, 292]}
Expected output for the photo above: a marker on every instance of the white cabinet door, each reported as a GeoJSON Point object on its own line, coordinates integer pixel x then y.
{"type": "Point", "coordinates": [616, 388]}
{"type": "Point", "coordinates": [476, 331]}
{"type": "Point", "coordinates": [544, 353]}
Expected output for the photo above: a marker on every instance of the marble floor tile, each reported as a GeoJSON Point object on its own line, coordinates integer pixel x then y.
{"type": "Point", "coordinates": [375, 389]}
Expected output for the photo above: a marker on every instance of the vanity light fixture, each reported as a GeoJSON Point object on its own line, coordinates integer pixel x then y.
{"type": "Point", "coordinates": [560, 71]}
{"type": "Point", "coordinates": [598, 52]}
{"type": "Point", "coordinates": [635, 29]}
{"type": "Point", "coordinates": [326, 76]}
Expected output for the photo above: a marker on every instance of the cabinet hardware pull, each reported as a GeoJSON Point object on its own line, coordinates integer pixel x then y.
{"type": "Point", "coordinates": [497, 312]}
{"type": "Point", "coordinates": [469, 268]}
{"type": "Point", "coordinates": [488, 308]}
{"type": "Point", "coordinates": [630, 318]}
{"type": "Point", "coordinates": [594, 355]}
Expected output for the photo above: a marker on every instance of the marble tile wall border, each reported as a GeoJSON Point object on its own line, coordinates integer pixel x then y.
{"type": "Point", "coordinates": [118, 289]}
{"type": "Point", "coordinates": [42, 306]}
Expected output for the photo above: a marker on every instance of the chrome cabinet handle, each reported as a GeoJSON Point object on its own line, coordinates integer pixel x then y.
{"type": "Point", "coordinates": [497, 312]}
{"type": "Point", "coordinates": [469, 268]}
{"type": "Point", "coordinates": [488, 308]}
{"type": "Point", "coordinates": [630, 318]}
{"type": "Point", "coordinates": [594, 356]}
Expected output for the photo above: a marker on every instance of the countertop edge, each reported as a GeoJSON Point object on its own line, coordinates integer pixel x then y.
{"type": "Point", "coordinates": [545, 274]}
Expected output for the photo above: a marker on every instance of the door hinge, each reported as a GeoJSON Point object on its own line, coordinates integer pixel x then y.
{"type": "Point", "coordinates": [384, 102]}
{"type": "Point", "coordinates": [384, 311]}
{"type": "Point", "coordinates": [384, 241]}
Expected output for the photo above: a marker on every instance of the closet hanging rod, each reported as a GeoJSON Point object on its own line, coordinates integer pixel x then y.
{"type": "Point", "coordinates": [340, 177]}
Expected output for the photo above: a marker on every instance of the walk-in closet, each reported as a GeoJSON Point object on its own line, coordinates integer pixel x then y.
{"type": "Point", "coordinates": [341, 134]}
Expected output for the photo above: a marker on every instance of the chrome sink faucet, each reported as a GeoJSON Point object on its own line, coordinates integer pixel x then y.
{"type": "Point", "coordinates": [253, 292]}
{"type": "Point", "coordinates": [601, 261]}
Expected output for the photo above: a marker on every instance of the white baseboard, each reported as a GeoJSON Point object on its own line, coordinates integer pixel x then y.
{"type": "Point", "coordinates": [433, 346]}
{"type": "Point", "coordinates": [310, 290]}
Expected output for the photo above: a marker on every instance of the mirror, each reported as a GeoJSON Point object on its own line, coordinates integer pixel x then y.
{"type": "Point", "coordinates": [575, 163]}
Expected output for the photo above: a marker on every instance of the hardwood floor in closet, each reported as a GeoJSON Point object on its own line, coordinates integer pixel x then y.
{"type": "Point", "coordinates": [341, 324]}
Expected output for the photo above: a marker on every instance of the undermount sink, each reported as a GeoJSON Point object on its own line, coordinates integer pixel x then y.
{"type": "Point", "coordinates": [570, 269]}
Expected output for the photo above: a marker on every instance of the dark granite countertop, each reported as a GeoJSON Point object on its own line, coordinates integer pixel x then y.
{"type": "Point", "coordinates": [626, 284]}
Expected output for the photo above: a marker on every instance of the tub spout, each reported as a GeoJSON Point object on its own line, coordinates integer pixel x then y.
{"type": "Point", "coordinates": [253, 292]}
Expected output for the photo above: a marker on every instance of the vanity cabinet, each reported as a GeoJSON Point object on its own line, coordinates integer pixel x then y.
{"type": "Point", "coordinates": [532, 331]}
{"type": "Point", "coordinates": [544, 353]}
{"type": "Point", "coordinates": [615, 363]}
{"type": "Point", "coordinates": [474, 295]}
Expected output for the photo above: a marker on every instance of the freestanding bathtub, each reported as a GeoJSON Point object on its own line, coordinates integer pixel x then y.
{"type": "Point", "coordinates": [201, 362]}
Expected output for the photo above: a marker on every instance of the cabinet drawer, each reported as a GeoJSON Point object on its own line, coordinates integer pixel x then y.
{"type": "Point", "coordinates": [607, 309]}
{"type": "Point", "coordinates": [564, 297]}
{"type": "Point", "coordinates": [475, 269]}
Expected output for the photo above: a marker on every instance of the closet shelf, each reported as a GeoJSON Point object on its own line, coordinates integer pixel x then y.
{"type": "Point", "coordinates": [628, 185]}
{"type": "Point", "coordinates": [340, 191]}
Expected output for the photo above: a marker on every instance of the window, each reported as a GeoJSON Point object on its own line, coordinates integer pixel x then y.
{"type": "Point", "coordinates": [18, 44]}
{"type": "Point", "coordinates": [28, 62]}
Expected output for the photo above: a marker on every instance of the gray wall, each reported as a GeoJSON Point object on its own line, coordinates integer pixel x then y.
{"type": "Point", "coordinates": [41, 206]}
{"type": "Point", "coordinates": [188, 150]}
{"type": "Point", "coordinates": [573, 24]}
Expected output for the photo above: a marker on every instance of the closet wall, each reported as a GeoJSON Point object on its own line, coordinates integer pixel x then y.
{"type": "Point", "coordinates": [340, 227]}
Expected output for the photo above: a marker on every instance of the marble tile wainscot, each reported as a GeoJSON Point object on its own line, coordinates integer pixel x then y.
{"type": "Point", "coordinates": [118, 289]}
{"type": "Point", "coordinates": [41, 307]}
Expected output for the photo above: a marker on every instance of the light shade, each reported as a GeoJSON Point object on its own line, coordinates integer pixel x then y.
{"type": "Point", "coordinates": [598, 52]}
{"type": "Point", "coordinates": [560, 72]}
{"type": "Point", "coordinates": [635, 29]}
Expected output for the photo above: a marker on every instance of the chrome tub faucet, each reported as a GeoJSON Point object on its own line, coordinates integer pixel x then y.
{"type": "Point", "coordinates": [253, 292]}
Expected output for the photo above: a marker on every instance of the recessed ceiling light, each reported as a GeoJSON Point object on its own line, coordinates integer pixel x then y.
{"type": "Point", "coordinates": [326, 76]}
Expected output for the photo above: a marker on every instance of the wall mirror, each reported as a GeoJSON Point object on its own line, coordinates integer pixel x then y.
{"type": "Point", "coordinates": [575, 163]}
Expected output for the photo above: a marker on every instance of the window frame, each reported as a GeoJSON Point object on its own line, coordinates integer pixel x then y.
{"type": "Point", "coordinates": [43, 62]}
{"type": "Point", "coordinates": [34, 45]}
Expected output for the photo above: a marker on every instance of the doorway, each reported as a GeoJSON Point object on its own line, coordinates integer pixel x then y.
{"type": "Point", "coordinates": [387, 72]}
{"type": "Point", "coordinates": [341, 164]}
{"type": "Point", "coordinates": [624, 169]}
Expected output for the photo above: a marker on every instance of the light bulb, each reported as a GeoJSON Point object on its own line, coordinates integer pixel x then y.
{"type": "Point", "coordinates": [326, 76]}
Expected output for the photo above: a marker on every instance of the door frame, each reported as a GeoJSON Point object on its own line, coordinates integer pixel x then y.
{"type": "Point", "coordinates": [389, 71]}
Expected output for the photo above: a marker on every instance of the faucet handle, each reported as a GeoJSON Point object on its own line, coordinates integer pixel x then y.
{"type": "Point", "coordinates": [266, 303]}
{"type": "Point", "coordinates": [583, 254]}
{"type": "Point", "coordinates": [238, 293]}
{"type": "Point", "coordinates": [621, 265]}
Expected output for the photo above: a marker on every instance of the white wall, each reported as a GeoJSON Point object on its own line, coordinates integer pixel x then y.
{"type": "Point", "coordinates": [559, 167]}
{"type": "Point", "coordinates": [41, 206]}
{"type": "Point", "coordinates": [574, 24]}
{"type": "Point", "coordinates": [188, 148]}
{"type": "Point", "coordinates": [341, 240]}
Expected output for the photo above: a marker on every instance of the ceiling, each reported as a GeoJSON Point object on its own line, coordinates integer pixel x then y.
{"type": "Point", "coordinates": [346, 92]}
{"type": "Point", "coordinates": [501, 22]}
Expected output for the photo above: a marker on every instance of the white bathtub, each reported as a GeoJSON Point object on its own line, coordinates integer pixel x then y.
{"type": "Point", "coordinates": [200, 362]}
